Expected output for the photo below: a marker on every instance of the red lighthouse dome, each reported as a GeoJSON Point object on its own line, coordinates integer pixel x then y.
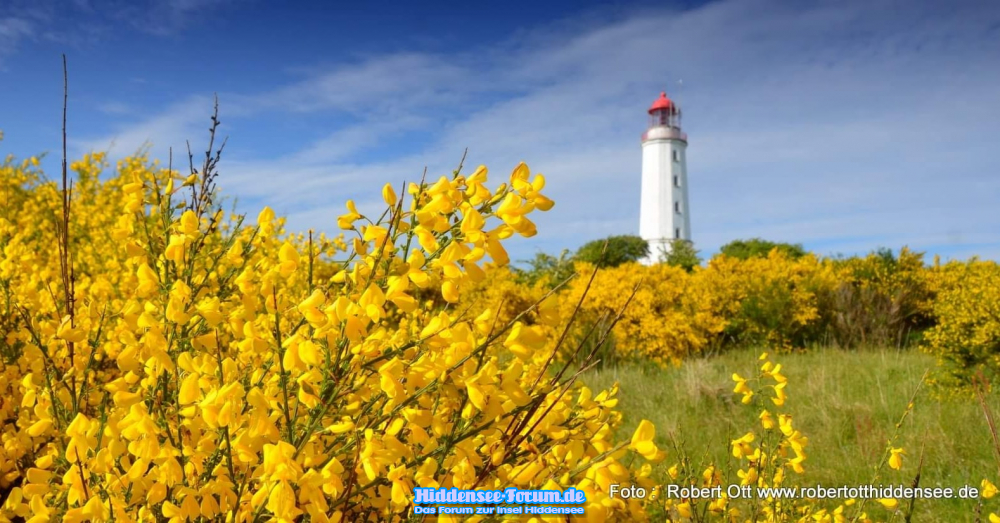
{"type": "Point", "coordinates": [662, 103]}
{"type": "Point", "coordinates": [664, 120]}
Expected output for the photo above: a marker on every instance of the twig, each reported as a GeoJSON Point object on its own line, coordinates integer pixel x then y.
{"type": "Point", "coordinates": [65, 260]}
{"type": "Point", "coordinates": [916, 482]}
{"type": "Point", "coordinates": [979, 383]}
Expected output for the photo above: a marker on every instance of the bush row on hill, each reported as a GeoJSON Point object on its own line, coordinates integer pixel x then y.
{"type": "Point", "coordinates": [782, 299]}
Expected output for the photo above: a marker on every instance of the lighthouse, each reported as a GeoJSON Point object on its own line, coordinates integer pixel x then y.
{"type": "Point", "coordinates": [664, 215]}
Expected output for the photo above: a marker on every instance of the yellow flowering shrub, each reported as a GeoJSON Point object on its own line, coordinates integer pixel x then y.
{"type": "Point", "coordinates": [965, 337]}
{"type": "Point", "coordinates": [500, 291]}
{"type": "Point", "coordinates": [773, 300]}
{"type": "Point", "coordinates": [776, 301]}
{"type": "Point", "coordinates": [673, 314]}
{"type": "Point", "coordinates": [668, 316]}
{"type": "Point", "coordinates": [880, 300]}
{"type": "Point", "coordinates": [162, 361]}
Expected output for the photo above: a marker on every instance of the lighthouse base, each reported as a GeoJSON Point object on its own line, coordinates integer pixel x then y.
{"type": "Point", "coordinates": [658, 251]}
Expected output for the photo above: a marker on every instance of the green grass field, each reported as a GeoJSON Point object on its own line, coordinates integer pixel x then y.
{"type": "Point", "coordinates": [846, 403]}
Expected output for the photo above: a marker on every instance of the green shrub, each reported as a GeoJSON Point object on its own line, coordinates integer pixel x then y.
{"type": "Point", "coordinates": [620, 249]}
{"type": "Point", "coordinates": [758, 248]}
{"type": "Point", "coordinates": [681, 254]}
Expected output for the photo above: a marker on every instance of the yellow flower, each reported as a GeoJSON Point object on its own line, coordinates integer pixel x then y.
{"type": "Point", "coordinates": [776, 375]}
{"type": "Point", "coordinates": [889, 503]}
{"type": "Point", "coordinates": [449, 290]}
{"type": "Point", "coordinates": [717, 506]}
{"type": "Point", "coordinates": [524, 340]}
{"type": "Point", "coordinates": [346, 221]}
{"type": "Point", "coordinates": [189, 223]}
{"type": "Point", "coordinates": [190, 391]}
{"type": "Point", "coordinates": [175, 249]}
{"type": "Point", "coordinates": [741, 446]}
{"type": "Point", "coordinates": [896, 458]}
{"type": "Point", "coordinates": [69, 333]}
{"type": "Point", "coordinates": [987, 489]}
{"type": "Point", "coordinates": [779, 394]}
{"type": "Point", "coordinates": [401, 485]}
{"type": "Point", "coordinates": [785, 424]}
{"type": "Point", "coordinates": [39, 427]}
{"type": "Point", "coordinates": [148, 281]}
{"type": "Point", "coordinates": [388, 195]}
{"type": "Point", "coordinates": [642, 441]}
{"type": "Point", "coordinates": [741, 384]}
{"type": "Point", "coordinates": [289, 259]}
{"type": "Point", "coordinates": [749, 477]}
{"type": "Point", "coordinates": [766, 420]}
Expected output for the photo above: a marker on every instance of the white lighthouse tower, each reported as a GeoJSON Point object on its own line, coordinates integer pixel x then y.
{"type": "Point", "coordinates": [663, 208]}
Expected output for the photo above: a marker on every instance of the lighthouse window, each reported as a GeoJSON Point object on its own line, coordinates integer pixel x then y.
{"type": "Point", "coordinates": [677, 181]}
{"type": "Point", "coordinates": [677, 234]}
{"type": "Point", "coordinates": [677, 155]}
{"type": "Point", "coordinates": [677, 207]}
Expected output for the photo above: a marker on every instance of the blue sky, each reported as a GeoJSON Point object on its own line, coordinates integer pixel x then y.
{"type": "Point", "coordinates": [841, 125]}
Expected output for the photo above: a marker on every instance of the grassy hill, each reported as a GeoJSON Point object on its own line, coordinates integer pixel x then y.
{"type": "Point", "coordinates": [846, 403]}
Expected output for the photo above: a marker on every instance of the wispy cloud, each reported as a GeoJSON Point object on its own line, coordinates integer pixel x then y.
{"type": "Point", "coordinates": [380, 85]}
{"type": "Point", "coordinates": [114, 108]}
{"type": "Point", "coordinates": [82, 22]}
{"type": "Point", "coordinates": [180, 122]}
{"type": "Point", "coordinates": [12, 31]}
{"type": "Point", "coordinates": [840, 125]}
{"type": "Point", "coordinates": [159, 17]}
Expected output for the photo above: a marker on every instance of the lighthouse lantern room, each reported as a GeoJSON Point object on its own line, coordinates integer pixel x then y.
{"type": "Point", "coordinates": [663, 207]}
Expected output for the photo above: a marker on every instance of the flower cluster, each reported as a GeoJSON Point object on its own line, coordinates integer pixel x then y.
{"type": "Point", "coordinates": [168, 362]}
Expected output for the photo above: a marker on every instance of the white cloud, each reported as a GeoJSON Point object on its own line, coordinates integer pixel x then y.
{"type": "Point", "coordinates": [114, 108]}
{"type": "Point", "coordinates": [840, 125]}
{"type": "Point", "coordinates": [383, 85]}
{"type": "Point", "coordinates": [159, 17]}
{"type": "Point", "coordinates": [13, 30]}
{"type": "Point", "coordinates": [341, 144]}
{"type": "Point", "coordinates": [79, 23]}
{"type": "Point", "coordinates": [181, 122]}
